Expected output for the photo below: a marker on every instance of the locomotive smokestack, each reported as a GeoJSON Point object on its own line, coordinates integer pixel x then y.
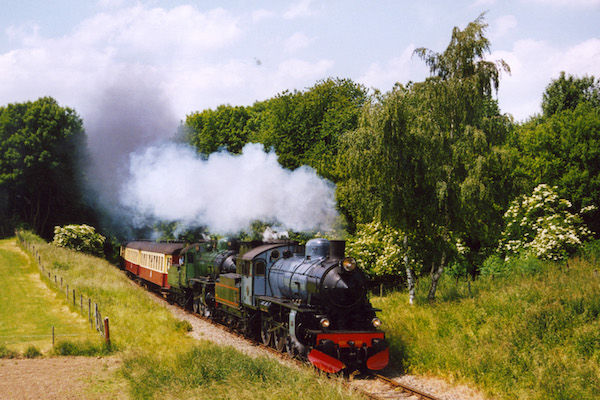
{"type": "Point", "coordinates": [337, 248]}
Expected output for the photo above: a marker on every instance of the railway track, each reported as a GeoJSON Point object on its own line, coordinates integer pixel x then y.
{"type": "Point", "coordinates": [399, 390]}
{"type": "Point", "coordinates": [373, 386]}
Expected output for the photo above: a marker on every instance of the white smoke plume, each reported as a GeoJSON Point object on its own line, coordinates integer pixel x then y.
{"type": "Point", "coordinates": [226, 192]}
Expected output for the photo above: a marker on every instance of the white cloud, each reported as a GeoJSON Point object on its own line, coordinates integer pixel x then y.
{"type": "Point", "coordinates": [483, 3]}
{"type": "Point", "coordinates": [502, 25]}
{"type": "Point", "coordinates": [398, 69]}
{"type": "Point", "coordinates": [304, 70]}
{"type": "Point", "coordinates": [262, 14]}
{"type": "Point", "coordinates": [181, 52]}
{"type": "Point", "coordinates": [534, 64]}
{"type": "Point", "coordinates": [569, 3]}
{"type": "Point", "coordinates": [296, 42]}
{"type": "Point", "coordinates": [300, 9]}
{"type": "Point", "coordinates": [145, 41]}
{"type": "Point", "coordinates": [194, 87]}
{"type": "Point", "coordinates": [159, 31]}
{"type": "Point", "coordinates": [111, 3]}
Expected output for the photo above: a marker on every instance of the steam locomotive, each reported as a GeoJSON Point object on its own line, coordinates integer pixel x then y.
{"type": "Point", "coordinates": [309, 302]}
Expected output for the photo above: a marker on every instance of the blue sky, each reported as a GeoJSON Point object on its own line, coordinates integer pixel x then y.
{"type": "Point", "coordinates": [191, 55]}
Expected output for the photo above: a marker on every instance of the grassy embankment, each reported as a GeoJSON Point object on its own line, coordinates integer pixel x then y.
{"type": "Point", "coordinates": [160, 360]}
{"type": "Point", "coordinates": [532, 334]}
{"type": "Point", "coordinates": [29, 309]}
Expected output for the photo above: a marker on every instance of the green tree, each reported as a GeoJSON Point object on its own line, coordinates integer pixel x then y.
{"type": "Point", "coordinates": [222, 128]}
{"type": "Point", "coordinates": [565, 93]}
{"type": "Point", "coordinates": [438, 162]}
{"type": "Point", "coordinates": [562, 149]}
{"type": "Point", "coordinates": [40, 143]}
{"type": "Point", "coordinates": [304, 127]}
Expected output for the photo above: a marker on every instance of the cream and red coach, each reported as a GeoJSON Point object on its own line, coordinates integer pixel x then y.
{"type": "Point", "coordinates": [151, 261]}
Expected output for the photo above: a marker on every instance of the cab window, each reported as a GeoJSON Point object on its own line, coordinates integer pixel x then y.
{"type": "Point", "coordinates": [246, 268]}
{"type": "Point", "coordinates": [259, 267]}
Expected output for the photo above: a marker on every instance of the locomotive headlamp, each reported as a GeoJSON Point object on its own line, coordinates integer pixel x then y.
{"type": "Point", "coordinates": [376, 322]}
{"type": "Point", "coordinates": [325, 322]}
{"type": "Point", "coordinates": [349, 264]}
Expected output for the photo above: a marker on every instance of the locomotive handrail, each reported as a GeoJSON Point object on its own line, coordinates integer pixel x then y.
{"type": "Point", "coordinates": [287, 303]}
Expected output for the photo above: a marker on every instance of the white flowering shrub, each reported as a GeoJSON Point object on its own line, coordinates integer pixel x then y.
{"type": "Point", "coordinates": [82, 238]}
{"type": "Point", "coordinates": [542, 225]}
{"type": "Point", "coordinates": [378, 249]}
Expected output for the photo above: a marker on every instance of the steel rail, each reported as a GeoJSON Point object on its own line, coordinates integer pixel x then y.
{"type": "Point", "coordinates": [406, 388]}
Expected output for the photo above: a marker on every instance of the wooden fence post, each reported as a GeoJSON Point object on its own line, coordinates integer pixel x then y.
{"type": "Point", "coordinates": [106, 332]}
{"type": "Point", "coordinates": [74, 298]}
{"type": "Point", "coordinates": [96, 314]}
{"type": "Point", "coordinates": [53, 336]}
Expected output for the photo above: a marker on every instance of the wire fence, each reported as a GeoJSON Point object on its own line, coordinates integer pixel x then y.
{"type": "Point", "coordinates": [83, 304]}
{"type": "Point", "coordinates": [54, 335]}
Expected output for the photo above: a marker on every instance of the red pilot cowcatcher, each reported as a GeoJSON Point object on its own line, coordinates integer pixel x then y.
{"type": "Point", "coordinates": [379, 360]}
{"type": "Point", "coordinates": [325, 362]}
{"type": "Point", "coordinates": [354, 350]}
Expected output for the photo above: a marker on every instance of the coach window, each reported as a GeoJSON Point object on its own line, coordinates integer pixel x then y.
{"type": "Point", "coordinates": [259, 267]}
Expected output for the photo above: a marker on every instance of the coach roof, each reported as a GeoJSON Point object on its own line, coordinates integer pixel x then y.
{"type": "Point", "coordinates": [165, 248]}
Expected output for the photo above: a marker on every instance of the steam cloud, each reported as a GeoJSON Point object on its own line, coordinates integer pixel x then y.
{"type": "Point", "coordinates": [226, 192]}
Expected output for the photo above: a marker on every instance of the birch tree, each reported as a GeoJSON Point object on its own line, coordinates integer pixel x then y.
{"type": "Point", "coordinates": [435, 166]}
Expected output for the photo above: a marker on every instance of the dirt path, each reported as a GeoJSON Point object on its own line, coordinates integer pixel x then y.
{"type": "Point", "coordinates": [60, 378]}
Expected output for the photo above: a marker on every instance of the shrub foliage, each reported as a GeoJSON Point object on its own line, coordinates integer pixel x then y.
{"type": "Point", "coordinates": [82, 238]}
{"type": "Point", "coordinates": [544, 225]}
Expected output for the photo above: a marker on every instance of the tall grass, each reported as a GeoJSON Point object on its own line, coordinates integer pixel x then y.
{"type": "Point", "coordinates": [161, 361]}
{"type": "Point", "coordinates": [137, 323]}
{"type": "Point", "coordinates": [533, 333]}
{"type": "Point", "coordinates": [213, 372]}
{"type": "Point", "coordinates": [29, 311]}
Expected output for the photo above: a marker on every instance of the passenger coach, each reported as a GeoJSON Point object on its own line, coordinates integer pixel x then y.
{"type": "Point", "coordinates": [151, 261]}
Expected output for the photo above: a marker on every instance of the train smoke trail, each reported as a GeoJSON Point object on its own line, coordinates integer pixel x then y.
{"type": "Point", "coordinates": [226, 192]}
{"type": "Point", "coordinates": [125, 114]}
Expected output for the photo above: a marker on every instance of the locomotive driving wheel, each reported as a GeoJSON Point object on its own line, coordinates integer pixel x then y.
{"type": "Point", "coordinates": [280, 339]}
{"type": "Point", "coordinates": [289, 347]}
{"type": "Point", "coordinates": [266, 334]}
